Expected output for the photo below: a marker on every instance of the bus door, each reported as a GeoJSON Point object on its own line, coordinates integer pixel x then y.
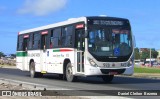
{"type": "Point", "coordinates": [43, 57]}
{"type": "Point", "coordinates": [25, 52]}
{"type": "Point", "coordinates": [80, 50]}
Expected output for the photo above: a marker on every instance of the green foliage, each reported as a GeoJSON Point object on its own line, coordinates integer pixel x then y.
{"type": "Point", "coordinates": [137, 54]}
{"type": "Point", "coordinates": [2, 54]}
{"type": "Point", "coordinates": [146, 70]}
{"type": "Point", "coordinates": [154, 54]}
{"type": "Point", "coordinates": [13, 55]}
{"type": "Point", "coordinates": [145, 54]}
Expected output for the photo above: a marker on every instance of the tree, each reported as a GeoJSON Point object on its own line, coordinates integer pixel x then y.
{"type": "Point", "coordinates": [145, 55]}
{"type": "Point", "coordinates": [154, 54]}
{"type": "Point", "coordinates": [137, 54]}
{"type": "Point", "coordinates": [13, 55]}
{"type": "Point", "coordinates": [2, 54]}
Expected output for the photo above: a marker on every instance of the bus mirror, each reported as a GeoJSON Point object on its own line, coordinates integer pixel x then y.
{"type": "Point", "coordinates": [44, 48]}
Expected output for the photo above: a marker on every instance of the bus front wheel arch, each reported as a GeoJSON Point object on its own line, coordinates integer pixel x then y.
{"type": "Point", "coordinates": [33, 73]}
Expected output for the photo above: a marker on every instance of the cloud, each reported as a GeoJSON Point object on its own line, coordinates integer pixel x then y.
{"type": "Point", "coordinates": [41, 7]}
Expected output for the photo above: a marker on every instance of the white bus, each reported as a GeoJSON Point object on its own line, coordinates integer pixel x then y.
{"type": "Point", "coordinates": [85, 46]}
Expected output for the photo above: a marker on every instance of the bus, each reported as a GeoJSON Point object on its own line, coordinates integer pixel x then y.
{"type": "Point", "coordinates": [86, 46]}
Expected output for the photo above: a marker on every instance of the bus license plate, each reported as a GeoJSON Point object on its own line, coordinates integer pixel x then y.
{"type": "Point", "coordinates": [113, 73]}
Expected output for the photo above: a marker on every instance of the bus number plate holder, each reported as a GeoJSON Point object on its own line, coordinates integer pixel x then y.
{"type": "Point", "coordinates": [113, 73]}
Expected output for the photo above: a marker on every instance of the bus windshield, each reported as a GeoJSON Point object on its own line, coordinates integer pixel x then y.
{"type": "Point", "coordinates": [110, 42]}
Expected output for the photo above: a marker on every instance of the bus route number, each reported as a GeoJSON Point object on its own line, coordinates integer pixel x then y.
{"type": "Point", "coordinates": [106, 65]}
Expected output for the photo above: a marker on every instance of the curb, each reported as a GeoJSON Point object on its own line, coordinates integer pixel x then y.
{"type": "Point", "coordinates": [147, 75]}
{"type": "Point", "coordinates": [143, 75]}
{"type": "Point", "coordinates": [11, 67]}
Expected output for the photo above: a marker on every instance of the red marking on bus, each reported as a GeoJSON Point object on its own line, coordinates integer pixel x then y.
{"type": "Point", "coordinates": [44, 32]}
{"type": "Point", "coordinates": [79, 26]}
{"type": "Point", "coordinates": [26, 36]}
{"type": "Point", "coordinates": [65, 50]}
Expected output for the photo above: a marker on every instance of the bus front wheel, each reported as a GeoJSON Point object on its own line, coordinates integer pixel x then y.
{"type": "Point", "coordinates": [69, 73]}
{"type": "Point", "coordinates": [107, 78]}
{"type": "Point", "coordinates": [33, 73]}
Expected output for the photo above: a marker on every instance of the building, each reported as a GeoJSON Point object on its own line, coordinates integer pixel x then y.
{"type": "Point", "coordinates": [146, 49]}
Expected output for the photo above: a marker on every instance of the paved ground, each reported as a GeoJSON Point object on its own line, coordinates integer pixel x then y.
{"type": "Point", "coordinates": [138, 75]}
{"type": "Point", "coordinates": [9, 86]}
{"type": "Point", "coordinates": [51, 81]}
{"type": "Point", "coordinates": [6, 86]}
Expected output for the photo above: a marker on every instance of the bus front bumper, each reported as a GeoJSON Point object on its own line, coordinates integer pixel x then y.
{"type": "Point", "coordinates": [95, 71]}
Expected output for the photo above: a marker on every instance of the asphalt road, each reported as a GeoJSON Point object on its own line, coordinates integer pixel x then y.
{"type": "Point", "coordinates": [88, 83]}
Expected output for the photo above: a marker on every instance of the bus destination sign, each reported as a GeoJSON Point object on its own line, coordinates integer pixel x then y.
{"type": "Point", "coordinates": [108, 22]}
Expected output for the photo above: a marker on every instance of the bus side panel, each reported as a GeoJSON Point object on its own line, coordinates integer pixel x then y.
{"type": "Point", "coordinates": [50, 61]}
{"type": "Point", "coordinates": [129, 70]}
{"type": "Point", "coordinates": [21, 60]}
{"type": "Point", "coordinates": [35, 56]}
{"type": "Point", "coordinates": [56, 57]}
{"type": "Point", "coordinates": [19, 63]}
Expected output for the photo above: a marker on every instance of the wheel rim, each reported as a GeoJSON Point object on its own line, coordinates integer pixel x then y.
{"type": "Point", "coordinates": [32, 69]}
{"type": "Point", "coordinates": [69, 72]}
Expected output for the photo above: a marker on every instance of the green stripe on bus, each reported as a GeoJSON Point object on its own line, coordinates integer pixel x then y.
{"type": "Point", "coordinates": [21, 54]}
{"type": "Point", "coordinates": [62, 50]}
{"type": "Point", "coordinates": [58, 50]}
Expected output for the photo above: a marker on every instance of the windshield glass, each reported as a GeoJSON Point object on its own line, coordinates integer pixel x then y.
{"type": "Point", "coordinates": [110, 42]}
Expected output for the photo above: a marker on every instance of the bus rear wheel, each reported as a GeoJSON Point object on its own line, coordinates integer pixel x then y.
{"type": "Point", "coordinates": [107, 78]}
{"type": "Point", "coordinates": [69, 73]}
{"type": "Point", "coordinates": [33, 73]}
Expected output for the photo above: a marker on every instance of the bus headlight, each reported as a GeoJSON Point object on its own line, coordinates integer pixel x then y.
{"type": "Point", "coordinates": [93, 63]}
{"type": "Point", "coordinates": [130, 62]}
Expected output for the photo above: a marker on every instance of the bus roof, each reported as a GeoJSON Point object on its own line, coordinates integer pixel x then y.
{"type": "Point", "coordinates": [69, 21]}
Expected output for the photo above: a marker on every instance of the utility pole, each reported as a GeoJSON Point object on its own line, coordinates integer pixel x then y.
{"type": "Point", "coordinates": [150, 57]}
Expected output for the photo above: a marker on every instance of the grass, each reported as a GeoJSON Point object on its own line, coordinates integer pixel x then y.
{"type": "Point", "coordinates": [146, 70]}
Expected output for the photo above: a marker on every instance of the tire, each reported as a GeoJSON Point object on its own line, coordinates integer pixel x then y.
{"type": "Point", "coordinates": [33, 73]}
{"type": "Point", "coordinates": [61, 76]}
{"type": "Point", "coordinates": [107, 78]}
{"type": "Point", "coordinates": [69, 73]}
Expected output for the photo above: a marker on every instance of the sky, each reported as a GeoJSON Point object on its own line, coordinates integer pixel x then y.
{"type": "Point", "coordinates": [18, 15]}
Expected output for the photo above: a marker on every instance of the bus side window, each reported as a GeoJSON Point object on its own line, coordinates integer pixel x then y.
{"type": "Point", "coordinates": [33, 41]}
{"type": "Point", "coordinates": [43, 42]}
{"type": "Point", "coordinates": [51, 40]}
{"type": "Point", "coordinates": [38, 43]}
{"type": "Point", "coordinates": [69, 33]}
{"type": "Point", "coordinates": [20, 43]}
{"type": "Point", "coordinates": [25, 44]}
{"type": "Point", "coordinates": [56, 41]}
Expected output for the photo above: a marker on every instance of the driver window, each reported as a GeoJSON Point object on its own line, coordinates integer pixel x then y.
{"type": "Point", "coordinates": [121, 41]}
